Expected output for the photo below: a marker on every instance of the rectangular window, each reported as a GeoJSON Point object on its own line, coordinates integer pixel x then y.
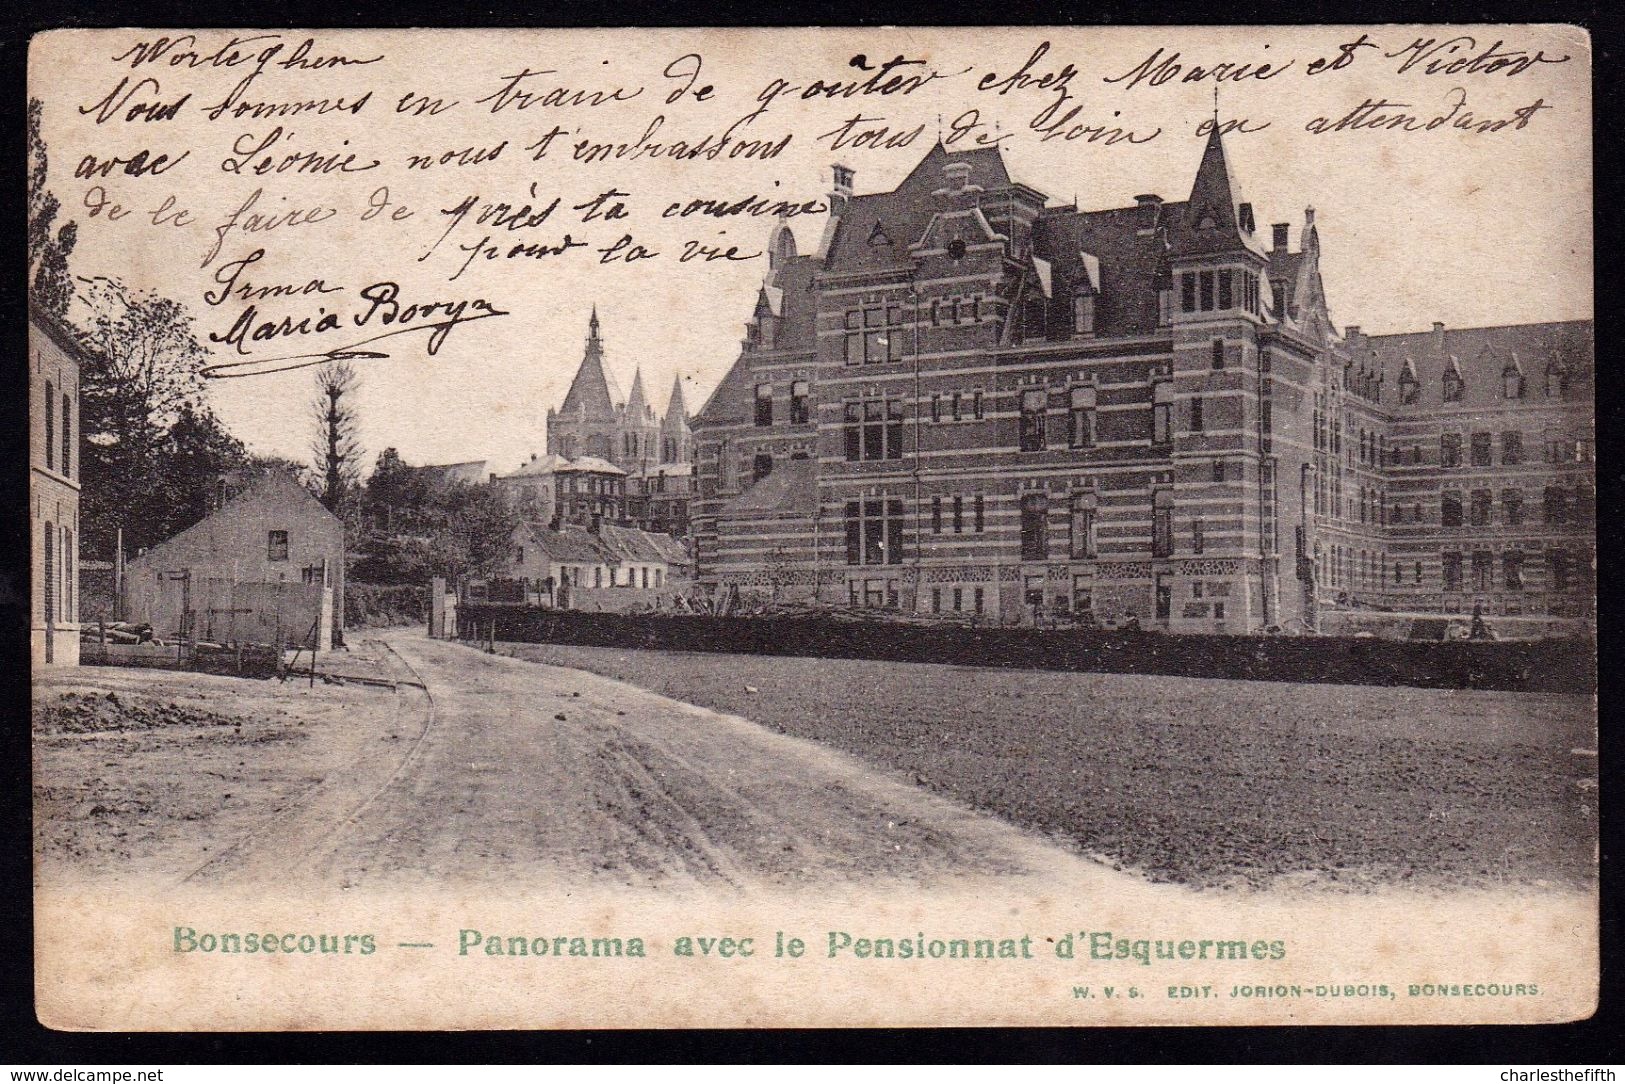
{"type": "Point", "coordinates": [1083, 314]}
{"type": "Point", "coordinates": [800, 392]}
{"type": "Point", "coordinates": [959, 599]}
{"type": "Point", "coordinates": [852, 418]}
{"type": "Point", "coordinates": [976, 600]}
{"type": "Point", "coordinates": [1557, 562]}
{"type": "Point", "coordinates": [959, 514]}
{"type": "Point", "coordinates": [1198, 539]}
{"type": "Point", "coordinates": [1083, 525]}
{"type": "Point", "coordinates": [874, 334]}
{"type": "Point", "coordinates": [894, 429]}
{"type": "Point", "coordinates": [1481, 449]}
{"type": "Point", "coordinates": [1034, 526]}
{"type": "Point", "coordinates": [1162, 523]}
{"type": "Point", "coordinates": [1450, 510]}
{"type": "Point", "coordinates": [1207, 290]}
{"type": "Point", "coordinates": [936, 515]}
{"type": "Point", "coordinates": [764, 404]}
{"type": "Point", "coordinates": [1227, 297]}
{"type": "Point", "coordinates": [1512, 448]}
{"type": "Point", "coordinates": [957, 407]}
{"type": "Point", "coordinates": [1034, 404]}
{"type": "Point", "coordinates": [978, 519]}
{"type": "Point", "coordinates": [1197, 420]}
{"type": "Point", "coordinates": [936, 408]}
{"type": "Point", "coordinates": [1218, 352]}
{"type": "Point", "coordinates": [1187, 291]}
{"type": "Point", "coordinates": [936, 600]}
{"type": "Point", "coordinates": [1512, 506]}
{"type": "Point", "coordinates": [976, 405]}
{"type": "Point", "coordinates": [1082, 417]}
{"type": "Point", "coordinates": [1452, 571]}
{"type": "Point", "coordinates": [1483, 500]}
{"type": "Point", "coordinates": [276, 545]}
{"type": "Point", "coordinates": [1449, 449]}
{"type": "Point", "coordinates": [1218, 470]}
{"type": "Point", "coordinates": [1483, 580]}
{"type": "Point", "coordinates": [874, 531]}
{"type": "Point", "coordinates": [1556, 504]}
{"type": "Point", "coordinates": [1512, 571]}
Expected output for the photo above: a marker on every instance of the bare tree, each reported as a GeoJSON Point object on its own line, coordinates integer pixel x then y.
{"type": "Point", "coordinates": [337, 447]}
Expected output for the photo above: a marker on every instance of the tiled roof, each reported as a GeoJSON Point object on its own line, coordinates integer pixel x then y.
{"type": "Point", "coordinates": [569, 543]}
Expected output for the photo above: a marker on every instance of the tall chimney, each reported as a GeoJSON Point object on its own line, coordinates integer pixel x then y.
{"type": "Point", "coordinates": [842, 190]}
{"type": "Point", "coordinates": [1282, 231]}
{"type": "Point", "coordinates": [1438, 336]}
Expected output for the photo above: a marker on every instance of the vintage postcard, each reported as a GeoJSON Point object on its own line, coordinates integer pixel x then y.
{"type": "Point", "coordinates": [823, 527]}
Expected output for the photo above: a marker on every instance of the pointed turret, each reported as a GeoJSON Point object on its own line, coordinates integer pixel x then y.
{"type": "Point", "coordinates": [1217, 217]}
{"type": "Point", "coordinates": [593, 392]}
{"type": "Point", "coordinates": [676, 408]}
{"type": "Point", "coordinates": [676, 438]}
{"type": "Point", "coordinates": [637, 404]}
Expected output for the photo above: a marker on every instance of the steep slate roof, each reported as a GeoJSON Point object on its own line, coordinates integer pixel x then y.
{"type": "Point", "coordinates": [1481, 353]}
{"type": "Point", "coordinates": [791, 489]}
{"type": "Point", "coordinates": [1217, 194]}
{"type": "Point", "coordinates": [1129, 263]}
{"type": "Point", "coordinates": [636, 402]}
{"type": "Point", "coordinates": [676, 410]}
{"type": "Point", "coordinates": [593, 388]}
{"type": "Point", "coordinates": [904, 212]}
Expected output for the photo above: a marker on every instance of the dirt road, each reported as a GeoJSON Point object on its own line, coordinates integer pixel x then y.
{"type": "Point", "coordinates": [519, 773]}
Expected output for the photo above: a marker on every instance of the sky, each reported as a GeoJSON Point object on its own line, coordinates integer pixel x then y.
{"type": "Point", "coordinates": [1467, 227]}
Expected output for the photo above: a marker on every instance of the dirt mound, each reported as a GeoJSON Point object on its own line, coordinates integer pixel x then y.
{"type": "Point", "coordinates": [89, 713]}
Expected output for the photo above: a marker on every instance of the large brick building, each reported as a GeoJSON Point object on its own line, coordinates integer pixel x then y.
{"type": "Point", "coordinates": [53, 484]}
{"type": "Point", "coordinates": [969, 400]}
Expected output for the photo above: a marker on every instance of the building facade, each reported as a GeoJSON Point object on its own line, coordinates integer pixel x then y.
{"type": "Point", "coordinates": [271, 532]}
{"type": "Point", "coordinates": [968, 400]}
{"type": "Point", "coordinates": [53, 477]}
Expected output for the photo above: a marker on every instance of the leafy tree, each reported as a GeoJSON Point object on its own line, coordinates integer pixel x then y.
{"type": "Point", "coordinates": [197, 454]}
{"type": "Point", "coordinates": [50, 284]}
{"type": "Point", "coordinates": [140, 381]}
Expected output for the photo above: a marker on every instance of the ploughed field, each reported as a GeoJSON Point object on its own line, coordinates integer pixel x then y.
{"type": "Point", "coordinates": [1197, 781]}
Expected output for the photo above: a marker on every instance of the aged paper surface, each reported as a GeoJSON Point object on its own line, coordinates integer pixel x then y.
{"type": "Point", "coordinates": [1019, 583]}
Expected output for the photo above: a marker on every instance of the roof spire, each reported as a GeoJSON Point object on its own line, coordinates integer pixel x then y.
{"type": "Point", "coordinates": [1215, 106]}
{"type": "Point", "coordinates": [592, 391]}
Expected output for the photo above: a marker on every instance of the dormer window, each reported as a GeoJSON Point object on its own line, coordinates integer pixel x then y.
{"type": "Point", "coordinates": [878, 236]}
{"type": "Point", "coordinates": [1083, 314]}
{"type": "Point", "coordinates": [1512, 381]}
{"type": "Point", "coordinates": [1557, 379]}
{"type": "Point", "coordinates": [1409, 387]}
{"type": "Point", "coordinates": [1453, 385]}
